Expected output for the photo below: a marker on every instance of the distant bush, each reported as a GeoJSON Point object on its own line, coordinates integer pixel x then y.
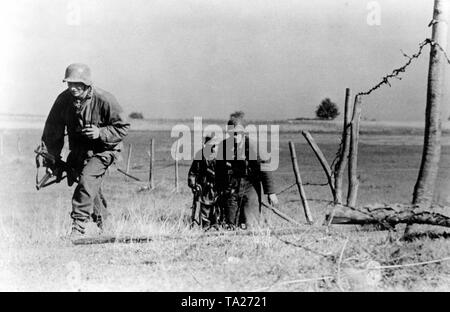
{"type": "Point", "coordinates": [135, 115]}
{"type": "Point", "coordinates": [327, 110]}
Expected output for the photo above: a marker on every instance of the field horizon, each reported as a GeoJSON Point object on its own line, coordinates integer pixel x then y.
{"type": "Point", "coordinates": [10, 122]}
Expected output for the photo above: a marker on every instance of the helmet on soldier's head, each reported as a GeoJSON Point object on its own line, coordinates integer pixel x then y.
{"type": "Point", "coordinates": [235, 125]}
{"type": "Point", "coordinates": [212, 140]}
{"type": "Point", "coordinates": [78, 73]}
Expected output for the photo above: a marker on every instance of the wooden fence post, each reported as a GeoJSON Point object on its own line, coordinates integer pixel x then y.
{"type": "Point", "coordinates": [353, 161]}
{"type": "Point", "coordinates": [151, 154]}
{"type": "Point", "coordinates": [130, 149]}
{"type": "Point", "coordinates": [176, 167]}
{"type": "Point", "coordinates": [298, 181]}
{"type": "Point", "coordinates": [322, 160]}
{"type": "Point", "coordinates": [343, 157]}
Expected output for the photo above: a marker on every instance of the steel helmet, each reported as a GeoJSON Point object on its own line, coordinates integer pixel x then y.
{"type": "Point", "coordinates": [212, 140]}
{"type": "Point", "coordinates": [78, 73]}
{"type": "Point", "coordinates": [236, 125]}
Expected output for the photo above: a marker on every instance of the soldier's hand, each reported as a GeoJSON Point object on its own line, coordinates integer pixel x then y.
{"type": "Point", "coordinates": [193, 187]}
{"type": "Point", "coordinates": [273, 199]}
{"type": "Point", "coordinates": [92, 132]}
{"type": "Point", "coordinates": [56, 172]}
{"type": "Point", "coordinates": [49, 170]}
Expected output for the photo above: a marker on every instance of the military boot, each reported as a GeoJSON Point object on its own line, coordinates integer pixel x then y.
{"type": "Point", "coordinates": [81, 228]}
{"type": "Point", "coordinates": [98, 220]}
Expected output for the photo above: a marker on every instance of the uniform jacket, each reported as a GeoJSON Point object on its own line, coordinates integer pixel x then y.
{"type": "Point", "coordinates": [230, 167]}
{"type": "Point", "coordinates": [201, 171]}
{"type": "Point", "coordinates": [99, 108]}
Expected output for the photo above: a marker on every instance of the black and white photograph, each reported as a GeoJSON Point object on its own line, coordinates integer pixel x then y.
{"type": "Point", "coordinates": [224, 151]}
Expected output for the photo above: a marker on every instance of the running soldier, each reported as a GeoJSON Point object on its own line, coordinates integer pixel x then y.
{"type": "Point", "coordinates": [95, 127]}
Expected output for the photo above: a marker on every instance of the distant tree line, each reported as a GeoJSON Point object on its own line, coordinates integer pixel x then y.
{"type": "Point", "coordinates": [135, 115]}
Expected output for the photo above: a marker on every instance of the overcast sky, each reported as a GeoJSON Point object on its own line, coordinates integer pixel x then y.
{"type": "Point", "coordinates": [274, 59]}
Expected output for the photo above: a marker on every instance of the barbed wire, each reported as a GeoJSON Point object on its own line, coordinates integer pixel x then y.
{"type": "Point", "coordinates": [304, 184]}
{"type": "Point", "coordinates": [442, 50]}
{"type": "Point", "coordinates": [337, 157]}
{"type": "Point", "coordinates": [385, 80]}
{"type": "Point", "coordinates": [286, 189]}
{"type": "Point", "coordinates": [316, 184]}
{"type": "Point", "coordinates": [396, 72]}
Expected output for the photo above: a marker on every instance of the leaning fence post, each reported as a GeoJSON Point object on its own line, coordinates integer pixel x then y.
{"type": "Point", "coordinates": [343, 156]}
{"type": "Point", "coordinates": [130, 149]}
{"type": "Point", "coordinates": [322, 159]}
{"type": "Point", "coordinates": [151, 154]}
{"type": "Point", "coordinates": [353, 161]}
{"type": "Point", "coordinates": [298, 181]}
{"type": "Point", "coordinates": [176, 167]}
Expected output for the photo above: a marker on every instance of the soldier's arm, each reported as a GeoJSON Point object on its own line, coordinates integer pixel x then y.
{"type": "Point", "coordinates": [267, 181]}
{"type": "Point", "coordinates": [53, 134]}
{"type": "Point", "coordinates": [193, 173]}
{"type": "Point", "coordinates": [117, 126]}
{"type": "Point", "coordinates": [195, 169]}
{"type": "Point", "coordinates": [261, 167]}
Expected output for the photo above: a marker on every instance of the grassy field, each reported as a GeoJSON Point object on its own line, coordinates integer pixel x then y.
{"type": "Point", "coordinates": [36, 256]}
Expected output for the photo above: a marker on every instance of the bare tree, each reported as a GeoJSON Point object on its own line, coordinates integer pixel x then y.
{"type": "Point", "coordinates": [424, 188]}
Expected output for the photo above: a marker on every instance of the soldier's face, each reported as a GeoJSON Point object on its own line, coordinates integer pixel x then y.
{"type": "Point", "coordinates": [77, 88]}
{"type": "Point", "coordinates": [214, 150]}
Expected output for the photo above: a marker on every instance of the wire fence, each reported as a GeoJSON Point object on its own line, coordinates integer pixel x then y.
{"type": "Point", "coordinates": [385, 80]}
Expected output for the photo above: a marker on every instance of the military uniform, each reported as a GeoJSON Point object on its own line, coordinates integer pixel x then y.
{"type": "Point", "coordinates": [240, 181]}
{"type": "Point", "coordinates": [201, 178]}
{"type": "Point", "coordinates": [89, 157]}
